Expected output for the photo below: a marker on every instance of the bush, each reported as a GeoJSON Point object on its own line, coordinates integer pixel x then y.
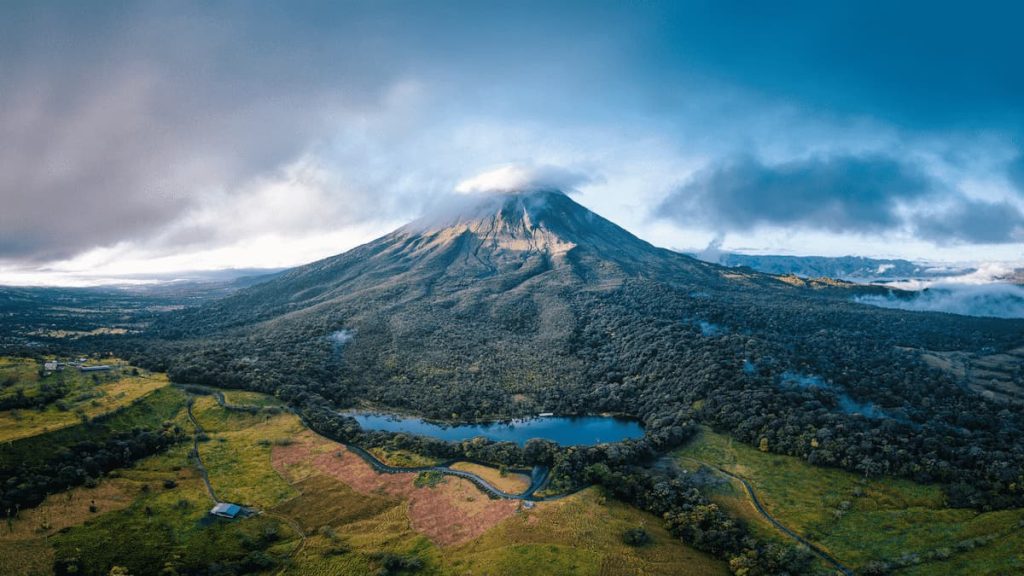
{"type": "Point", "coordinates": [636, 537]}
{"type": "Point", "coordinates": [428, 479]}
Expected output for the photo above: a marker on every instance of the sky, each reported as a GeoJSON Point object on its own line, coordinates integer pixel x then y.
{"type": "Point", "coordinates": [160, 137]}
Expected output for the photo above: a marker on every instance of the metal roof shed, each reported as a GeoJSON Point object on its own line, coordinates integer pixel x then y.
{"type": "Point", "coordinates": [226, 510]}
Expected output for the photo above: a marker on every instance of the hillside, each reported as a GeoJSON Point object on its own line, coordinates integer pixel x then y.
{"type": "Point", "coordinates": [844, 267]}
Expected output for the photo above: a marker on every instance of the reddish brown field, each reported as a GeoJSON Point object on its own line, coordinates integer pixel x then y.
{"type": "Point", "coordinates": [453, 512]}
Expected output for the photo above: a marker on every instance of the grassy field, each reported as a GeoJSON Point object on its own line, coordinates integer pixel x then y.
{"type": "Point", "coordinates": [511, 483]}
{"type": "Point", "coordinates": [87, 396]}
{"type": "Point", "coordinates": [245, 398]}
{"type": "Point", "coordinates": [162, 405]}
{"type": "Point", "coordinates": [858, 520]}
{"type": "Point", "coordinates": [581, 534]}
{"type": "Point", "coordinates": [237, 456]}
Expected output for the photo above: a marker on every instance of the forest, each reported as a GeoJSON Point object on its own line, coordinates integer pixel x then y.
{"type": "Point", "coordinates": [861, 398]}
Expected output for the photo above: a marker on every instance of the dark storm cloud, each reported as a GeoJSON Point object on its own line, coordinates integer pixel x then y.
{"type": "Point", "coordinates": [973, 222]}
{"type": "Point", "coordinates": [113, 124]}
{"type": "Point", "coordinates": [845, 194]}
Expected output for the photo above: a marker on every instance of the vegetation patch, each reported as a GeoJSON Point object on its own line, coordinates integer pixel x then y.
{"type": "Point", "coordinates": [402, 458]}
{"type": "Point", "coordinates": [889, 524]}
{"type": "Point", "coordinates": [500, 478]}
{"type": "Point", "coordinates": [454, 511]}
{"type": "Point", "coordinates": [428, 479]}
{"type": "Point", "coordinates": [581, 534]}
{"type": "Point", "coordinates": [57, 400]}
{"type": "Point", "coordinates": [326, 502]}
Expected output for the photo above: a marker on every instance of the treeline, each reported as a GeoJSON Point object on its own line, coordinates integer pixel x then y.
{"type": "Point", "coordinates": [874, 407]}
{"type": "Point", "coordinates": [33, 467]}
{"type": "Point", "coordinates": [26, 485]}
{"type": "Point", "coordinates": [44, 396]}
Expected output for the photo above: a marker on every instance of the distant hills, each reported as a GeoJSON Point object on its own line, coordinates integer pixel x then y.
{"type": "Point", "coordinates": [853, 268]}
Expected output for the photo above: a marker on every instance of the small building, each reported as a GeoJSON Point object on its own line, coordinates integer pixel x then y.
{"type": "Point", "coordinates": [100, 368]}
{"type": "Point", "coordinates": [226, 510]}
{"type": "Point", "coordinates": [50, 366]}
{"type": "Point", "coordinates": [527, 505]}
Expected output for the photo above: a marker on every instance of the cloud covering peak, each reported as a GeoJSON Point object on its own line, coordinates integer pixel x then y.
{"type": "Point", "coordinates": [524, 178]}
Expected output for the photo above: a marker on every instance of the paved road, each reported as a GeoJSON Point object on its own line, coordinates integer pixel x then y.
{"type": "Point", "coordinates": [539, 476]}
{"type": "Point", "coordinates": [752, 494]}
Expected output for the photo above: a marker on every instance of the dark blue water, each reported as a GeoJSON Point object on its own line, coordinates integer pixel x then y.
{"type": "Point", "coordinates": [567, 431]}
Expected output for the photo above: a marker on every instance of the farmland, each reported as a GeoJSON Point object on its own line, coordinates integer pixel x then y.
{"type": "Point", "coordinates": [67, 397]}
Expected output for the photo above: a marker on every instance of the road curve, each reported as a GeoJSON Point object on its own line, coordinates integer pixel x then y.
{"type": "Point", "coordinates": [830, 559]}
{"type": "Point", "coordinates": [538, 476]}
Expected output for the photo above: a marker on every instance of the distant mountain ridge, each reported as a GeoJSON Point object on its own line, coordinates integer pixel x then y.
{"type": "Point", "coordinates": [855, 268]}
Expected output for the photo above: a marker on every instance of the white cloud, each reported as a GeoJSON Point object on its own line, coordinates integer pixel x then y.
{"type": "Point", "coordinates": [997, 300]}
{"type": "Point", "coordinates": [524, 178]}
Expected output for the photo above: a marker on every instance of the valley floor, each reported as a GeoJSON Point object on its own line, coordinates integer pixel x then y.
{"type": "Point", "coordinates": [320, 510]}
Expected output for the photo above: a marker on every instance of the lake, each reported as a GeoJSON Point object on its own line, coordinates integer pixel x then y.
{"type": "Point", "coordinates": [564, 430]}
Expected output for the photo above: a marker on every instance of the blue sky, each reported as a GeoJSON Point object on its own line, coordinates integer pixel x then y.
{"type": "Point", "coordinates": [154, 137]}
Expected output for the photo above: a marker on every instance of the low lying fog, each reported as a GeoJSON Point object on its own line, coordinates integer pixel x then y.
{"type": "Point", "coordinates": [984, 292]}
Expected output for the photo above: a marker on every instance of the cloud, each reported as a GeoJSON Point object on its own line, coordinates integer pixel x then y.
{"type": "Point", "coordinates": [713, 251]}
{"type": "Point", "coordinates": [973, 222]}
{"type": "Point", "coordinates": [524, 178]}
{"type": "Point", "coordinates": [170, 132]}
{"type": "Point", "coordinates": [839, 194]}
{"type": "Point", "coordinates": [992, 300]}
{"type": "Point", "coordinates": [1016, 173]}
{"type": "Point", "coordinates": [135, 120]}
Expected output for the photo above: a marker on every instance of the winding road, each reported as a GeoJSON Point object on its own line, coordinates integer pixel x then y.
{"type": "Point", "coordinates": [752, 494]}
{"type": "Point", "coordinates": [539, 476]}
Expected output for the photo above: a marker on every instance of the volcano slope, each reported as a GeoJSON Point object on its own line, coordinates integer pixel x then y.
{"type": "Point", "coordinates": [515, 304]}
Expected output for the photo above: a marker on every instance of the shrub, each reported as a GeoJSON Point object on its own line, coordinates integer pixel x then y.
{"type": "Point", "coordinates": [636, 537]}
